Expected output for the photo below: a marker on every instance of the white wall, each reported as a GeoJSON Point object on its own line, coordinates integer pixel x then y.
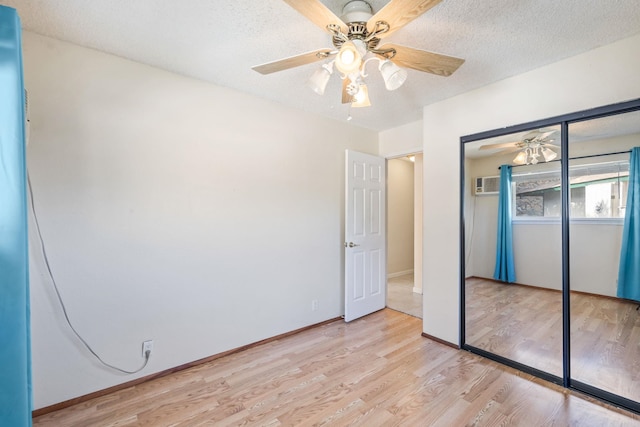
{"type": "Point", "coordinates": [417, 223]}
{"type": "Point", "coordinates": [595, 258]}
{"type": "Point", "coordinates": [173, 210]}
{"type": "Point", "coordinates": [594, 251]}
{"type": "Point", "coordinates": [400, 210]}
{"type": "Point", "coordinates": [599, 77]}
{"type": "Point", "coordinates": [401, 140]}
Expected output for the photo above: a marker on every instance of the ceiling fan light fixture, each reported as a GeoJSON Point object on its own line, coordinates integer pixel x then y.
{"type": "Point", "coordinates": [393, 76]}
{"type": "Point", "coordinates": [548, 154]}
{"type": "Point", "coordinates": [319, 79]}
{"type": "Point", "coordinates": [361, 99]}
{"type": "Point", "coordinates": [356, 35]}
{"type": "Point", "coordinates": [349, 58]}
{"type": "Point", "coordinates": [533, 154]}
{"type": "Point", "coordinates": [520, 159]}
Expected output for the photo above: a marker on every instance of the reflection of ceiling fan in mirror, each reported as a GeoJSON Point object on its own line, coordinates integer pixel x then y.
{"type": "Point", "coordinates": [356, 36]}
{"type": "Point", "coordinates": [534, 147]}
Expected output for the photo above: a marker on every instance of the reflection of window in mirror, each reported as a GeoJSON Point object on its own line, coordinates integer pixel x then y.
{"type": "Point", "coordinates": [598, 190]}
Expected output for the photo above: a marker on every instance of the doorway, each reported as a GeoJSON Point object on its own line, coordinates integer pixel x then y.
{"type": "Point", "coordinates": [404, 234]}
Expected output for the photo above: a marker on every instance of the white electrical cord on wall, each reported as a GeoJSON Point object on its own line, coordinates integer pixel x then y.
{"type": "Point", "coordinates": [60, 300]}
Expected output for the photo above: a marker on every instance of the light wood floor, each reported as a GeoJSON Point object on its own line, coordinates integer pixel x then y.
{"type": "Point", "coordinates": [376, 371]}
{"type": "Point", "coordinates": [525, 324]}
{"type": "Point", "coordinates": [518, 322]}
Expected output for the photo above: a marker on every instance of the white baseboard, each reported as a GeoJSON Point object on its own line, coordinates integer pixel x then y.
{"type": "Point", "coordinates": [399, 273]}
{"type": "Point", "coordinates": [417, 290]}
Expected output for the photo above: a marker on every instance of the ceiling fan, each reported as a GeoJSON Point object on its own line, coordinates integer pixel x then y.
{"type": "Point", "coordinates": [356, 36]}
{"type": "Point", "coordinates": [535, 146]}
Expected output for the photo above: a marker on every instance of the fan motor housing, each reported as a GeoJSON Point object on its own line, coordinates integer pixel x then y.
{"type": "Point", "coordinates": [356, 14]}
{"type": "Point", "coordinates": [356, 11]}
{"type": "Point", "coordinates": [358, 31]}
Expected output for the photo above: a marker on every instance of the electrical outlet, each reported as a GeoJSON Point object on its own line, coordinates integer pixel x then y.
{"type": "Point", "coordinates": [314, 305]}
{"type": "Point", "coordinates": [147, 346]}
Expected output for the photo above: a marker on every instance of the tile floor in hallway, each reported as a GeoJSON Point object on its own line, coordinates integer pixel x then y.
{"type": "Point", "coordinates": [400, 295]}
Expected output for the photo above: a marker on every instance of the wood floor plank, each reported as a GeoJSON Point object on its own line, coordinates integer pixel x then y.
{"type": "Point", "coordinates": [524, 323]}
{"type": "Point", "coordinates": [375, 371]}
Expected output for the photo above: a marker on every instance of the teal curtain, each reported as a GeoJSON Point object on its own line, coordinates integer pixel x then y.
{"type": "Point", "coordinates": [629, 271]}
{"type": "Point", "coordinates": [15, 347]}
{"type": "Point", "coordinates": [505, 270]}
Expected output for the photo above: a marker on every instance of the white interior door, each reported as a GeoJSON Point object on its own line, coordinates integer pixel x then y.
{"type": "Point", "coordinates": [365, 245]}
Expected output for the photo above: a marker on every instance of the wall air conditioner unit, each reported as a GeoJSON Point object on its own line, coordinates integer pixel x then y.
{"type": "Point", "coordinates": [485, 185]}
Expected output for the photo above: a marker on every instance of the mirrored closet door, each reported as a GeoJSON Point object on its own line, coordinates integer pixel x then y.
{"type": "Point", "coordinates": [550, 249]}
{"type": "Point", "coordinates": [513, 293]}
{"type": "Point", "coordinates": [605, 322]}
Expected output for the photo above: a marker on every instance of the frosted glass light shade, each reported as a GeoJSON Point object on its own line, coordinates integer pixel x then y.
{"type": "Point", "coordinates": [361, 99]}
{"type": "Point", "coordinates": [348, 59]}
{"type": "Point", "coordinates": [548, 154]}
{"type": "Point", "coordinates": [393, 76]}
{"type": "Point", "coordinates": [521, 158]}
{"type": "Point", "coordinates": [319, 79]}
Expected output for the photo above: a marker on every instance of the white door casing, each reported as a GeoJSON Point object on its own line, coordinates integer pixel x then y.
{"type": "Point", "coordinates": [365, 235]}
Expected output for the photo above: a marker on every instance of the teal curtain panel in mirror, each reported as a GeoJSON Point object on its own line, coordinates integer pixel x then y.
{"type": "Point", "coordinates": [505, 270]}
{"type": "Point", "coordinates": [629, 272]}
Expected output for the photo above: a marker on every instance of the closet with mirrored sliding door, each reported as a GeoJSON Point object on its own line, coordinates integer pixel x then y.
{"type": "Point", "coordinates": [550, 259]}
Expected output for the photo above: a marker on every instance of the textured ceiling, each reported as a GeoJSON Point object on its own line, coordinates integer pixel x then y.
{"type": "Point", "coordinates": [219, 41]}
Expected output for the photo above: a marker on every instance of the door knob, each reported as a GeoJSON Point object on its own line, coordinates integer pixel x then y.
{"type": "Point", "coordinates": [350, 244]}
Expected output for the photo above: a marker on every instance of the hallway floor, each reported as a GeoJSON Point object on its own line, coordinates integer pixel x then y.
{"type": "Point", "coordinates": [400, 295]}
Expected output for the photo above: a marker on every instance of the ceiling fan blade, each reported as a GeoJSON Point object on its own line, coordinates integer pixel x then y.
{"type": "Point", "coordinates": [545, 135]}
{"type": "Point", "coordinates": [501, 145]}
{"type": "Point", "coordinates": [423, 60]}
{"type": "Point", "coordinates": [293, 61]}
{"type": "Point", "coordinates": [346, 98]}
{"type": "Point", "coordinates": [550, 142]}
{"type": "Point", "coordinates": [531, 135]}
{"type": "Point", "coordinates": [317, 13]}
{"type": "Point", "coordinates": [509, 150]}
{"type": "Point", "coordinates": [398, 13]}
{"type": "Point", "coordinates": [538, 135]}
{"type": "Point", "coordinates": [542, 138]}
